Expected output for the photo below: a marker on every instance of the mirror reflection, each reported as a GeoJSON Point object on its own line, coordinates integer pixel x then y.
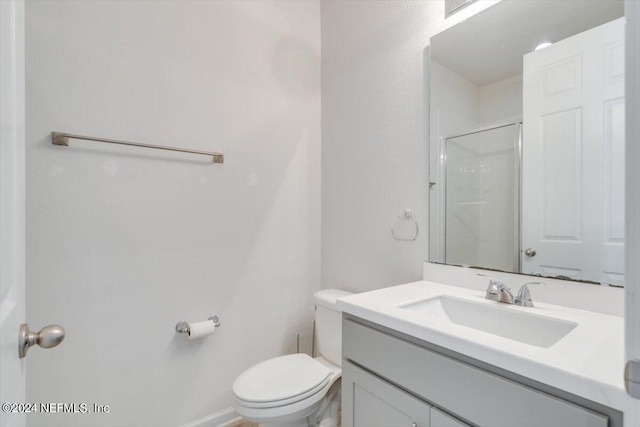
{"type": "Point", "coordinates": [527, 140]}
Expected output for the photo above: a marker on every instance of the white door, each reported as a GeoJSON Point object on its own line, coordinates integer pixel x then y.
{"type": "Point", "coordinates": [12, 310]}
{"type": "Point", "coordinates": [632, 287]}
{"type": "Point", "coordinates": [573, 157]}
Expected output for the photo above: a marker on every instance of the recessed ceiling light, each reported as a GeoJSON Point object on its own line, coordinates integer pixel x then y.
{"type": "Point", "coordinates": [543, 45]}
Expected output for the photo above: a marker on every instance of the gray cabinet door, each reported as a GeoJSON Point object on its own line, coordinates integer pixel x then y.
{"type": "Point", "coordinates": [440, 419]}
{"type": "Point", "coordinates": [368, 401]}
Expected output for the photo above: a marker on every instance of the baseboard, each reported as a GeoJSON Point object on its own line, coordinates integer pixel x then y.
{"type": "Point", "coordinates": [225, 418]}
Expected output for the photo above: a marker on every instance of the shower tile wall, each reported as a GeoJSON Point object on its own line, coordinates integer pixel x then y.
{"type": "Point", "coordinates": [481, 223]}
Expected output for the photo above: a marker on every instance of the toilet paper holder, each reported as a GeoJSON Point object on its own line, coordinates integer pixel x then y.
{"type": "Point", "coordinates": [182, 327]}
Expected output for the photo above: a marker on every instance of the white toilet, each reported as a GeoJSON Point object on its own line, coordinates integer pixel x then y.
{"type": "Point", "coordinates": [296, 390]}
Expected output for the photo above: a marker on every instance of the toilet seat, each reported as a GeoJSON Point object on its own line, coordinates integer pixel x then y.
{"type": "Point", "coordinates": [281, 381]}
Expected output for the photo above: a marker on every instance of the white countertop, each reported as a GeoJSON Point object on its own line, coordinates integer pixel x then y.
{"type": "Point", "coordinates": [588, 362]}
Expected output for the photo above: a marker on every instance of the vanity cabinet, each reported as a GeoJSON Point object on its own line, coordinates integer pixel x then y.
{"type": "Point", "coordinates": [375, 402]}
{"type": "Point", "coordinates": [390, 381]}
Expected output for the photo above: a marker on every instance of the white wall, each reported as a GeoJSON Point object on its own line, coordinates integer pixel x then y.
{"type": "Point", "coordinates": [122, 243]}
{"type": "Point", "coordinates": [455, 103]}
{"type": "Point", "coordinates": [374, 137]}
{"type": "Point", "coordinates": [500, 102]}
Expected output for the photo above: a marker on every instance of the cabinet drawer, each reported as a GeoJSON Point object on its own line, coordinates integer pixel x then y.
{"type": "Point", "coordinates": [475, 395]}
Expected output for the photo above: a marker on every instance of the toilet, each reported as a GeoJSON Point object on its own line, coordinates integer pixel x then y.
{"type": "Point", "coordinates": [297, 390]}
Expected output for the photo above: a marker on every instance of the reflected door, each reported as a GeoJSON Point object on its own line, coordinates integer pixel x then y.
{"type": "Point", "coordinates": [573, 157]}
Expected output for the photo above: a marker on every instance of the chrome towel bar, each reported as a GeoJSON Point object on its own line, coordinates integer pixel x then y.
{"type": "Point", "coordinates": [61, 138]}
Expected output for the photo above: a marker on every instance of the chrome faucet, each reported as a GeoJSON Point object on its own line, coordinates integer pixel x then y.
{"type": "Point", "coordinates": [498, 291]}
{"type": "Point", "coordinates": [524, 296]}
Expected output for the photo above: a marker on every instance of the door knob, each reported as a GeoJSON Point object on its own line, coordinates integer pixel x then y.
{"type": "Point", "coordinates": [47, 337]}
{"type": "Point", "coordinates": [530, 252]}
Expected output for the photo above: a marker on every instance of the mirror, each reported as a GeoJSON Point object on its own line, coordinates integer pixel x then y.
{"type": "Point", "coordinates": [527, 145]}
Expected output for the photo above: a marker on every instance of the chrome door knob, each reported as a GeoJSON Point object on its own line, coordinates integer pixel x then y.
{"type": "Point", "coordinates": [530, 252]}
{"type": "Point", "coordinates": [47, 337]}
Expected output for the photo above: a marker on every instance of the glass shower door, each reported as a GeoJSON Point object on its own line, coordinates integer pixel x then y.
{"type": "Point", "coordinates": [482, 198]}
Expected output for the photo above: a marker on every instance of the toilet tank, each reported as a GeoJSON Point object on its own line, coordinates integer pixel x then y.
{"type": "Point", "coordinates": [329, 324]}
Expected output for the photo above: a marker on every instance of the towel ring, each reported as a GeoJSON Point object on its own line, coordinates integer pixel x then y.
{"type": "Point", "coordinates": [408, 215]}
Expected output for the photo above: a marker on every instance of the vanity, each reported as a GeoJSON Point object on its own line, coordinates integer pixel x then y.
{"type": "Point", "coordinates": [428, 354]}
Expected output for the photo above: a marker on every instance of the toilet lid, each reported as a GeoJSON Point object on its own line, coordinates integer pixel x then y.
{"type": "Point", "coordinates": [281, 378]}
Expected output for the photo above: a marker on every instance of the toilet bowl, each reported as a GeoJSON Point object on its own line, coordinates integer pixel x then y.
{"type": "Point", "coordinates": [297, 390]}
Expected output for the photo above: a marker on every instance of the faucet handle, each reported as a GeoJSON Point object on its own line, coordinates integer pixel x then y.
{"type": "Point", "coordinates": [491, 281]}
{"type": "Point", "coordinates": [524, 296]}
{"type": "Point", "coordinates": [494, 289]}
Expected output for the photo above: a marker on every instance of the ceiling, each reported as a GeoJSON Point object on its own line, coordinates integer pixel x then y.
{"type": "Point", "coordinates": [489, 46]}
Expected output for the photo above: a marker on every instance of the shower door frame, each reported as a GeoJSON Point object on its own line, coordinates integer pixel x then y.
{"type": "Point", "coordinates": [517, 199]}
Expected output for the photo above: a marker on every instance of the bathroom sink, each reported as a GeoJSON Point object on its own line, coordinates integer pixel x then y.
{"type": "Point", "coordinates": [577, 351]}
{"type": "Point", "coordinates": [494, 318]}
